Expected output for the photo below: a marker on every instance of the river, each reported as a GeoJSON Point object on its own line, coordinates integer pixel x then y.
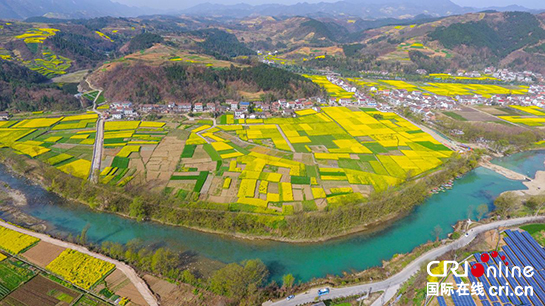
{"type": "Point", "coordinates": [304, 261]}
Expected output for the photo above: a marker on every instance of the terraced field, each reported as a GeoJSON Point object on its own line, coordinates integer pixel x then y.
{"type": "Point", "coordinates": [282, 165]}
{"type": "Point", "coordinates": [45, 61]}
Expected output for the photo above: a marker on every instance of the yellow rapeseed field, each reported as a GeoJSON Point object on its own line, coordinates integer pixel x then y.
{"type": "Point", "coordinates": [15, 242]}
{"type": "Point", "coordinates": [80, 269]}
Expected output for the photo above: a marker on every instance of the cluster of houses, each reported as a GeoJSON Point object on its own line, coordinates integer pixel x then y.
{"type": "Point", "coordinates": [512, 76]}
{"type": "Point", "coordinates": [122, 110]}
{"type": "Point", "coordinates": [358, 99]}
{"type": "Point", "coordinates": [417, 102]}
{"type": "Point", "coordinates": [425, 105]}
{"type": "Point", "coordinates": [240, 109]}
{"type": "Point", "coordinates": [505, 75]}
{"type": "Point", "coordinates": [535, 97]}
{"type": "Point", "coordinates": [386, 99]}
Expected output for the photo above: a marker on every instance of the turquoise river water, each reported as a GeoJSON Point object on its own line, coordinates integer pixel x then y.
{"type": "Point", "coordinates": [305, 261]}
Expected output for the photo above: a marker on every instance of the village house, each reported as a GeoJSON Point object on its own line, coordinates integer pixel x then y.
{"type": "Point", "coordinates": [184, 107]}
{"type": "Point", "coordinates": [283, 103]}
{"type": "Point", "coordinates": [198, 107]}
{"type": "Point", "coordinates": [244, 105]}
{"type": "Point", "coordinates": [211, 107]}
{"type": "Point", "coordinates": [288, 112]}
{"type": "Point", "coordinates": [117, 115]}
{"type": "Point", "coordinates": [232, 104]}
{"type": "Point", "coordinates": [147, 108]}
{"type": "Point", "coordinates": [4, 116]}
{"type": "Point", "coordinates": [239, 114]}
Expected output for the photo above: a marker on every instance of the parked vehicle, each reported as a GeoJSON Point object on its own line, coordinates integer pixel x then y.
{"type": "Point", "coordinates": [323, 291]}
{"type": "Point", "coordinates": [290, 297]}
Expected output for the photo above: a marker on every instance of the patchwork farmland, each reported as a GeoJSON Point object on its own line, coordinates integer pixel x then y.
{"type": "Point", "coordinates": [67, 143]}
{"type": "Point", "coordinates": [275, 166]}
{"type": "Point", "coordinates": [283, 165]}
{"type": "Point", "coordinates": [35, 272]}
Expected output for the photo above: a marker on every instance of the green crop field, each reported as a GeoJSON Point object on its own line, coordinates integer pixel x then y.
{"type": "Point", "coordinates": [13, 274]}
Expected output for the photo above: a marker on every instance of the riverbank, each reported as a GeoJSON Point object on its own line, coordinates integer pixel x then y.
{"type": "Point", "coordinates": [510, 174]}
{"type": "Point", "coordinates": [535, 186]}
{"type": "Point", "coordinates": [367, 218]}
{"type": "Point", "coordinates": [391, 284]}
{"type": "Point", "coordinates": [306, 261]}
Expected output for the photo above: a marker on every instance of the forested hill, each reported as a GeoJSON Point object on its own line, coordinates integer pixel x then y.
{"type": "Point", "coordinates": [13, 73]}
{"type": "Point", "coordinates": [220, 44]}
{"type": "Point", "coordinates": [512, 32]}
{"type": "Point", "coordinates": [184, 83]}
{"type": "Point", "coordinates": [23, 89]}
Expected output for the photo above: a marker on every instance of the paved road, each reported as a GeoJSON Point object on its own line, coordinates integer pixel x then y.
{"type": "Point", "coordinates": [97, 151]}
{"type": "Point", "coordinates": [389, 285]}
{"type": "Point", "coordinates": [129, 272]}
{"type": "Point", "coordinates": [99, 139]}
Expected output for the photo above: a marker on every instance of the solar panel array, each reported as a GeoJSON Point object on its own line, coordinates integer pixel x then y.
{"type": "Point", "coordinates": [522, 250]}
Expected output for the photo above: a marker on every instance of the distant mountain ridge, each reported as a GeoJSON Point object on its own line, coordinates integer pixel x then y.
{"type": "Point", "coordinates": [68, 9]}
{"type": "Point", "coordinates": [364, 9]}
{"type": "Point", "coordinates": [367, 9]}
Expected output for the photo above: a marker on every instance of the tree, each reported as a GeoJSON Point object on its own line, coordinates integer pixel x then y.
{"type": "Point", "coordinates": [288, 280]}
{"type": "Point", "coordinates": [437, 231]}
{"type": "Point", "coordinates": [82, 238]}
{"type": "Point", "coordinates": [535, 203]}
{"type": "Point", "coordinates": [163, 261]}
{"type": "Point", "coordinates": [482, 210]}
{"type": "Point", "coordinates": [136, 209]}
{"type": "Point", "coordinates": [239, 280]}
{"type": "Point", "coordinates": [505, 204]}
{"type": "Point", "coordinates": [470, 210]}
{"type": "Point", "coordinates": [189, 278]}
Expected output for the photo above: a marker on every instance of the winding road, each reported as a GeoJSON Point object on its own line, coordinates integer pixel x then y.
{"type": "Point", "coordinates": [127, 270]}
{"type": "Point", "coordinates": [390, 285]}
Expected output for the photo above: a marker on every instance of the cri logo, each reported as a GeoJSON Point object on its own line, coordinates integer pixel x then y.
{"type": "Point", "coordinates": [476, 269]}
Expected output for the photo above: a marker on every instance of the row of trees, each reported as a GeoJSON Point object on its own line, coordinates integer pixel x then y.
{"type": "Point", "coordinates": [243, 282]}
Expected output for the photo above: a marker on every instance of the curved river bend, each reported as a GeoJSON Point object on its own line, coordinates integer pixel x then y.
{"type": "Point", "coordinates": [304, 261]}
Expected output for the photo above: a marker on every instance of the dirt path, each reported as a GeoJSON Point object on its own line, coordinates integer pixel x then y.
{"type": "Point", "coordinates": [129, 272]}
{"type": "Point", "coordinates": [285, 138]}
